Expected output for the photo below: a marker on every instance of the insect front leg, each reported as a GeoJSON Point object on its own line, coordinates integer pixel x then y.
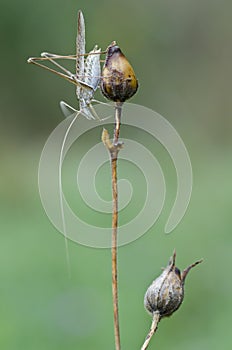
{"type": "Point", "coordinates": [85, 109]}
{"type": "Point", "coordinates": [67, 109]}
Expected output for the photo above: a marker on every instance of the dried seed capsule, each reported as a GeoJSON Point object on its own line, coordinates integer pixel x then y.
{"type": "Point", "coordinates": [118, 82]}
{"type": "Point", "coordinates": [166, 292]}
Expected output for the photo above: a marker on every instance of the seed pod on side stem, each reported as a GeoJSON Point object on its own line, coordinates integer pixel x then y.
{"type": "Point", "coordinates": [165, 294]}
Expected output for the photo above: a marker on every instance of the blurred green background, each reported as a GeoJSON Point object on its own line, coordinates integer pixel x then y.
{"type": "Point", "coordinates": [181, 51]}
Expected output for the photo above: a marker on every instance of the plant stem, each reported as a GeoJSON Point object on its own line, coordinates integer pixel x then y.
{"type": "Point", "coordinates": [154, 326]}
{"type": "Point", "coordinates": [114, 253]}
{"type": "Point", "coordinates": [113, 149]}
{"type": "Point", "coordinates": [114, 158]}
{"type": "Point", "coordinates": [117, 120]}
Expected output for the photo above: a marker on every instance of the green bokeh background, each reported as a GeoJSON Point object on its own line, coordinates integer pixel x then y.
{"type": "Point", "coordinates": [181, 51]}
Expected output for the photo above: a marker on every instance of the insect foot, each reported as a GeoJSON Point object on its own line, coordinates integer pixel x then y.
{"type": "Point", "coordinates": [166, 293]}
{"type": "Point", "coordinates": [118, 82]}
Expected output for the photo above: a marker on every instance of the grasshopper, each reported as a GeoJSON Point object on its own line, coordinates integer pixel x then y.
{"type": "Point", "coordinates": [86, 79]}
{"type": "Point", "coordinates": [88, 72]}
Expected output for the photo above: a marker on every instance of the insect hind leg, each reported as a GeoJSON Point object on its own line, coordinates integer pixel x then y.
{"type": "Point", "coordinates": [50, 57]}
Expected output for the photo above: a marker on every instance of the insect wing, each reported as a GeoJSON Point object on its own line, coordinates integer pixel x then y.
{"type": "Point", "coordinates": [80, 49]}
{"type": "Point", "coordinates": [93, 68]}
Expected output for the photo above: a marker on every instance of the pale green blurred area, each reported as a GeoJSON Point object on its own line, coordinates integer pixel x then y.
{"type": "Point", "coordinates": [181, 52]}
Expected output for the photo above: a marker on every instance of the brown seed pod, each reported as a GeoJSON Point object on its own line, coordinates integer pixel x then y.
{"type": "Point", "coordinates": [118, 82]}
{"type": "Point", "coordinates": [166, 292]}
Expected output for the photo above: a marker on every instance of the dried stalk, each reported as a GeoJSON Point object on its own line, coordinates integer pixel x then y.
{"type": "Point", "coordinates": [154, 326]}
{"type": "Point", "coordinates": [114, 159]}
{"type": "Point", "coordinates": [113, 149]}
